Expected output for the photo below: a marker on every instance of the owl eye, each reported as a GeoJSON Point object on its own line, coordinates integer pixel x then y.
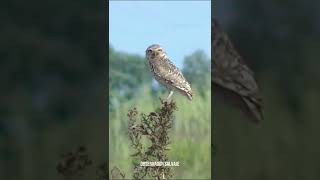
{"type": "Point", "coordinates": [149, 50]}
{"type": "Point", "coordinates": [160, 50]}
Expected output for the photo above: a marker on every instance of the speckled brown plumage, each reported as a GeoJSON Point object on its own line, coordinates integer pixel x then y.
{"type": "Point", "coordinates": [230, 73]}
{"type": "Point", "coordinates": [165, 72]}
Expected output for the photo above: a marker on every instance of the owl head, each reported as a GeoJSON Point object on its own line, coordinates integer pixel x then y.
{"type": "Point", "coordinates": [155, 50]}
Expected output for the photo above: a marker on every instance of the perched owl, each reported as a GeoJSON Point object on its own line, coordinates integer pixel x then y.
{"type": "Point", "coordinates": [167, 73]}
{"type": "Point", "coordinates": [232, 77]}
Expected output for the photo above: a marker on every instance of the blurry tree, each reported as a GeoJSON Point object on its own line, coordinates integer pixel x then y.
{"type": "Point", "coordinates": [127, 75]}
{"type": "Point", "coordinates": [196, 69]}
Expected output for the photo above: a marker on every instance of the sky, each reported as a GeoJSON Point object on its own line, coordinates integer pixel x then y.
{"type": "Point", "coordinates": [180, 27]}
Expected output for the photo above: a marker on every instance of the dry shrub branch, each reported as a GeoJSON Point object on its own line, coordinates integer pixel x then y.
{"type": "Point", "coordinates": [155, 128]}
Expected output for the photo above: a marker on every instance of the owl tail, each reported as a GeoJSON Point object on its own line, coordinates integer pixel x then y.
{"type": "Point", "coordinates": [255, 108]}
{"type": "Point", "coordinates": [189, 95]}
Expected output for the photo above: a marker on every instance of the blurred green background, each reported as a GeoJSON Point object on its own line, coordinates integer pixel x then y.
{"type": "Point", "coordinates": [280, 40]}
{"type": "Point", "coordinates": [53, 85]}
{"type": "Point", "coordinates": [132, 85]}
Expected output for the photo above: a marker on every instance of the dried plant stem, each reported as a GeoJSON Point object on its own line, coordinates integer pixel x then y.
{"type": "Point", "coordinates": [155, 127]}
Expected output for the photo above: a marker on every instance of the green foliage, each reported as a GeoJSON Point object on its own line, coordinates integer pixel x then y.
{"type": "Point", "coordinates": [126, 74]}
{"type": "Point", "coordinates": [190, 135]}
{"type": "Point", "coordinates": [196, 69]}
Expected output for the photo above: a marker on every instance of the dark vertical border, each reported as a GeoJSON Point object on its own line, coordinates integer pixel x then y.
{"type": "Point", "coordinates": [106, 58]}
{"type": "Point", "coordinates": [213, 149]}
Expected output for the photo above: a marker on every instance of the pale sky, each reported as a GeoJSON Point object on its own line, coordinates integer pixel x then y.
{"type": "Point", "coordinates": [181, 27]}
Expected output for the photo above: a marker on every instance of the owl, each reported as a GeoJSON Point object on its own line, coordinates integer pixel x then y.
{"type": "Point", "coordinates": [231, 76]}
{"type": "Point", "coordinates": [166, 73]}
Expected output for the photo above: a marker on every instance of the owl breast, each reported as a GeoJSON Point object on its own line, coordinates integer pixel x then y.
{"type": "Point", "coordinates": [159, 73]}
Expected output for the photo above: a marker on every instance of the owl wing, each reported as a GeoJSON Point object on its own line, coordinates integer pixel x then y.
{"type": "Point", "coordinates": [171, 75]}
{"type": "Point", "coordinates": [230, 72]}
